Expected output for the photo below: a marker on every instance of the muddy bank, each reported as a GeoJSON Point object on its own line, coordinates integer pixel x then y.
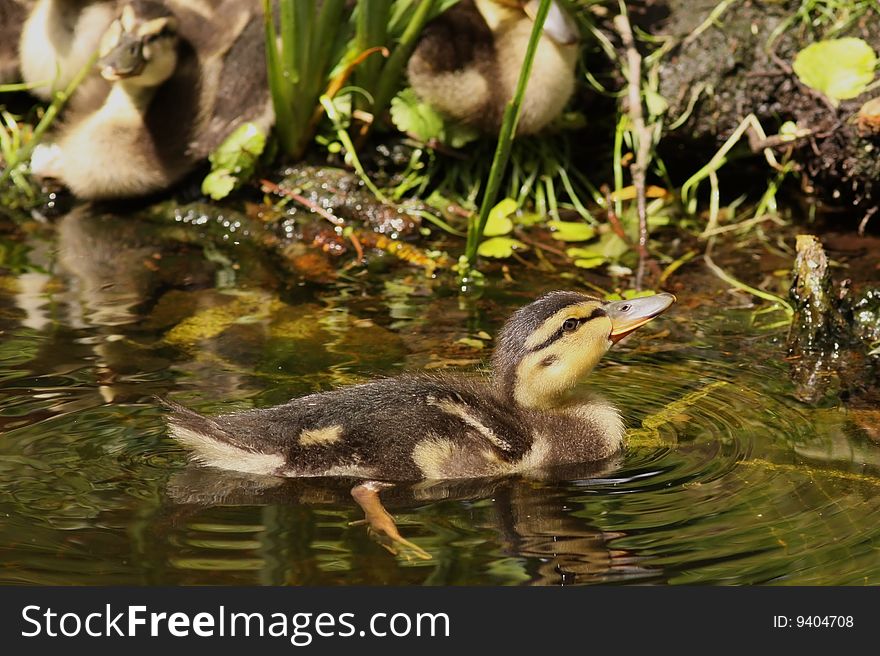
{"type": "Point", "coordinates": [739, 64]}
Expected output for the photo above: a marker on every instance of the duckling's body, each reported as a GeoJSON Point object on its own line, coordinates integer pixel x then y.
{"type": "Point", "coordinates": [143, 129]}
{"type": "Point", "coordinates": [468, 60]}
{"type": "Point", "coordinates": [404, 428]}
{"type": "Point", "coordinates": [58, 39]}
{"type": "Point", "coordinates": [529, 416]}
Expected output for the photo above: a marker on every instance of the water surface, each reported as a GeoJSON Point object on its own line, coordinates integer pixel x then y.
{"type": "Point", "coordinates": [727, 479]}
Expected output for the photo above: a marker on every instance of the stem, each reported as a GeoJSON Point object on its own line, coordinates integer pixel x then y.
{"type": "Point", "coordinates": [642, 134]}
{"type": "Point", "coordinates": [505, 137]}
{"type": "Point", "coordinates": [343, 137]}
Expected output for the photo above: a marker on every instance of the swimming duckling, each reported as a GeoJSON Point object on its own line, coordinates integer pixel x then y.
{"type": "Point", "coordinates": [58, 39]}
{"type": "Point", "coordinates": [529, 416]}
{"type": "Point", "coordinates": [161, 114]}
{"type": "Point", "coordinates": [468, 61]}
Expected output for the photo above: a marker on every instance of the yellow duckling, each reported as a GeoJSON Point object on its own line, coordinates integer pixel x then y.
{"type": "Point", "coordinates": [468, 61]}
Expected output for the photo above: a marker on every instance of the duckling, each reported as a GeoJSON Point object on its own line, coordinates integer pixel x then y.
{"type": "Point", "coordinates": [468, 60]}
{"type": "Point", "coordinates": [161, 113]}
{"type": "Point", "coordinates": [135, 141]}
{"type": "Point", "coordinates": [12, 17]}
{"type": "Point", "coordinates": [529, 415]}
{"type": "Point", "coordinates": [58, 39]}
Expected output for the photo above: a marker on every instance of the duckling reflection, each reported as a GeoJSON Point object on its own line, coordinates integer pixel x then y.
{"type": "Point", "coordinates": [531, 518]}
{"type": "Point", "coordinates": [468, 60]}
{"type": "Point", "coordinates": [116, 266]}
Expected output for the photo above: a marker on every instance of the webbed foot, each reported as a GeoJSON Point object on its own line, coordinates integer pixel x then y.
{"type": "Point", "coordinates": [381, 524]}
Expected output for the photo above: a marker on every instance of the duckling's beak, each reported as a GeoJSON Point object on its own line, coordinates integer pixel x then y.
{"type": "Point", "coordinates": [126, 59]}
{"type": "Point", "coordinates": [559, 26]}
{"type": "Point", "coordinates": [628, 315]}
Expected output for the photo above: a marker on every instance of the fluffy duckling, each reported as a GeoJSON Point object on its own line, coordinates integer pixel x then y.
{"type": "Point", "coordinates": [164, 109]}
{"type": "Point", "coordinates": [468, 61]}
{"type": "Point", "coordinates": [58, 39]}
{"type": "Point", "coordinates": [530, 415]}
{"type": "Point", "coordinates": [135, 141]}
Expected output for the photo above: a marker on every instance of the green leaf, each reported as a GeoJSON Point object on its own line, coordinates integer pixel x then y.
{"type": "Point", "coordinates": [410, 115]}
{"type": "Point", "coordinates": [458, 135]}
{"type": "Point", "coordinates": [656, 103]}
{"type": "Point", "coordinates": [529, 219]}
{"type": "Point", "coordinates": [609, 247]}
{"type": "Point", "coordinates": [589, 262]}
{"type": "Point", "coordinates": [500, 247]}
{"type": "Point", "coordinates": [239, 149]}
{"type": "Point", "coordinates": [499, 222]}
{"type": "Point", "coordinates": [839, 68]}
{"type": "Point", "coordinates": [234, 161]}
{"type": "Point", "coordinates": [571, 230]}
{"type": "Point", "coordinates": [633, 293]}
{"type": "Point", "coordinates": [218, 184]}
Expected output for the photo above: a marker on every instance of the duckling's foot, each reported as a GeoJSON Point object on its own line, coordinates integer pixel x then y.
{"type": "Point", "coordinates": [380, 524]}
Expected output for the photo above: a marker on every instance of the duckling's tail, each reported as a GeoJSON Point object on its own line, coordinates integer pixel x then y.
{"type": "Point", "coordinates": [212, 445]}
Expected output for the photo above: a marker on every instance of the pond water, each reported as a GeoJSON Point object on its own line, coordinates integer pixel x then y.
{"type": "Point", "coordinates": [727, 479]}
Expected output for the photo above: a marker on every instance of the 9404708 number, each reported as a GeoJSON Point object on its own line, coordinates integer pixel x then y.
{"type": "Point", "coordinates": [814, 621]}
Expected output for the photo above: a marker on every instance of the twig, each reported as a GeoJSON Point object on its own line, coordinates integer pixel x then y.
{"type": "Point", "coordinates": [864, 222]}
{"type": "Point", "coordinates": [278, 190]}
{"type": "Point", "coordinates": [613, 219]}
{"type": "Point", "coordinates": [642, 134]}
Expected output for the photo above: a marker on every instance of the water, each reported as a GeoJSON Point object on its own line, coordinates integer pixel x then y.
{"type": "Point", "coordinates": [727, 479]}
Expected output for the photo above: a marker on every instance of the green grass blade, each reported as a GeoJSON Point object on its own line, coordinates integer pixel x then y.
{"type": "Point", "coordinates": [505, 137]}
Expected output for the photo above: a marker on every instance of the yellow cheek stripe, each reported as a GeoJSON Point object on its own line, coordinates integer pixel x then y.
{"type": "Point", "coordinates": [546, 330]}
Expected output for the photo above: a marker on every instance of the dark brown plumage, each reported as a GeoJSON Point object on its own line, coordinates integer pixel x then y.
{"type": "Point", "coordinates": [528, 416]}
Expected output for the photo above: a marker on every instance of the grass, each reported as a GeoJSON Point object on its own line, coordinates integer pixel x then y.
{"type": "Point", "coordinates": [312, 52]}
{"type": "Point", "coordinates": [17, 140]}
{"type": "Point", "coordinates": [505, 139]}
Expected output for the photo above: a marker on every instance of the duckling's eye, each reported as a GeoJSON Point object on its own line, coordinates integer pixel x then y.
{"type": "Point", "coordinates": [570, 324]}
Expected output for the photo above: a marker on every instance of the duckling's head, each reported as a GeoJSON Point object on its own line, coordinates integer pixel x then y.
{"type": "Point", "coordinates": [547, 347]}
{"type": "Point", "coordinates": [140, 46]}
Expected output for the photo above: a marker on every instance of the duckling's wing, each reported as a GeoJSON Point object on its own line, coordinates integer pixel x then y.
{"type": "Point", "coordinates": [404, 428]}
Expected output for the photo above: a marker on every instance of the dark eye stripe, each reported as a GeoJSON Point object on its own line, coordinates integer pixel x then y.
{"type": "Point", "coordinates": [598, 312]}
